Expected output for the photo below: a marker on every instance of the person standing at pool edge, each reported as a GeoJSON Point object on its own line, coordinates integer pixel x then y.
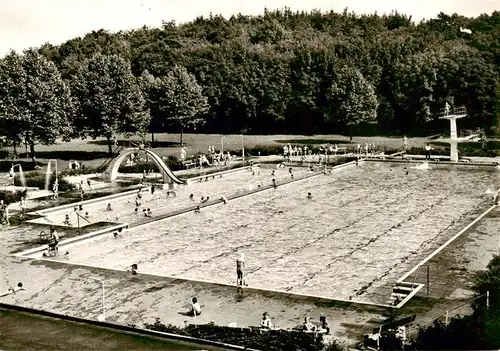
{"type": "Point", "coordinates": [428, 149]}
{"type": "Point", "coordinates": [240, 268]}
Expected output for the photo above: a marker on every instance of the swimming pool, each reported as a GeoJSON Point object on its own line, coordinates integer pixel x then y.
{"type": "Point", "coordinates": [211, 186]}
{"type": "Point", "coordinates": [363, 225]}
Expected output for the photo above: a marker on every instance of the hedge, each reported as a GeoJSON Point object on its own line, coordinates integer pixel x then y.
{"type": "Point", "coordinates": [269, 340]}
{"type": "Point", "coordinates": [12, 196]}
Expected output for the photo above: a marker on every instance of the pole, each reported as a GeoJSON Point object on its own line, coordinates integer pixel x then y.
{"type": "Point", "coordinates": [488, 299]}
{"type": "Point", "coordinates": [446, 321]}
{"type": "Point", "coordinates": [243, 147]}
{"type": "Point", "coordinates": [428, 279]}
{"type": "Point", "coordinates": [103, 301]}
{"type": "Point", "coordinates": [78, 221]}
{"type": "Point", "coordinates": [222, 144]}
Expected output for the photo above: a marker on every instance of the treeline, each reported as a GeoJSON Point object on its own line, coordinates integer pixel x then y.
{"type": "Point", "coordinates": [290, 72]}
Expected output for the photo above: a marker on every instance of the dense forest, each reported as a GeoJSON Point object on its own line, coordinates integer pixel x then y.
{"type": "Point", "coordinates": [294, 72]}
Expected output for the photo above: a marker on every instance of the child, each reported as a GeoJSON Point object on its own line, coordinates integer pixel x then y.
{"type": "Point", "coordinates": [195, 308]}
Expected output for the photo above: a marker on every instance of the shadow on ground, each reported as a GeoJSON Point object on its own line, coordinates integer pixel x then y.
{"type": "Point", "coordinates": [69, 155]}
{"type": "Point", "coordinates": [130, 143]}
{"type": "Point", "coordinates": [312, 141]}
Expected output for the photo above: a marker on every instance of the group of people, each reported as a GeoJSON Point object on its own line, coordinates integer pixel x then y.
{"type": "Point", "coordinates": [323, 326]}
{"type": "Point", "coordinates": [367, 149]}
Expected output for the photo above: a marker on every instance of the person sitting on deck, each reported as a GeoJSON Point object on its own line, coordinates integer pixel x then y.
{"type": "Point", "coordinates": [308, 326]}
{"type": "Point", "coordinates": [266, 321]}
{"type": "Point", "coordinates": [195, 309]}
{"type": "Point", "coordinates": [324, 327]}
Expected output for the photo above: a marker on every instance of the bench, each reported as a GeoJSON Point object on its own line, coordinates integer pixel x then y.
{"type": "Point", "coordinates": [188, 164]}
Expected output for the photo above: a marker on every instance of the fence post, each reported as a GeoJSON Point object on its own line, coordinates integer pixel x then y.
{"type": "Point", "coordinates": [488, 299]}
{"type": "Point", "coordinates": [446, 321]}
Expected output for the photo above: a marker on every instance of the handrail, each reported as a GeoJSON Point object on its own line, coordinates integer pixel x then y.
{"type": "Point", "coordinates": [108, 160]}
{"type": "Point", "coordinates": [453, 309]}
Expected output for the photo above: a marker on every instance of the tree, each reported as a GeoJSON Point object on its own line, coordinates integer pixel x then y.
{"type": "Point", "coordinates": [34, 100]}
{"type": "Point", "coordinates": [153, 88]}
{"type": "Point", "coordinates": [108, 99]}
{"type": "Point", "coordinates": [351, 100]}
{"type": "Point", "coordinates": [182, 102]}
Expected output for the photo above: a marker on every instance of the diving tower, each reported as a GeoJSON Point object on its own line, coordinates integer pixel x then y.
{"type": "Point", "coordinates": [452, 114]}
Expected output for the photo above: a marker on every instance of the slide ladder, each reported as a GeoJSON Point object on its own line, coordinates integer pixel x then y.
{"type": "Point", "coordinates": [108, 160]}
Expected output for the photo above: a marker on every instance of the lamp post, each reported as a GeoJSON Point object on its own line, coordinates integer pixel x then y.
{"type": "Point", "coordinates": [243, 147]}
{"type": "Point", "coordinates": [222, 144]}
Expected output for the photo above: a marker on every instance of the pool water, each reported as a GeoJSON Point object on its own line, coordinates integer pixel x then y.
{"type": "Point", "coordinates": [124, 206]}
{"type": "Point", "coordinates": [362, 225]}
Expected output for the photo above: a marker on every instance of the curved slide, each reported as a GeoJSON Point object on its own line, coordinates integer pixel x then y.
{"type": "Point", "coordinates": [164, 169]}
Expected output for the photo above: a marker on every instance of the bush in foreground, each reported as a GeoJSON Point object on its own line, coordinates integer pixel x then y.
{"type": "Point", "coordinates": [250, 338]}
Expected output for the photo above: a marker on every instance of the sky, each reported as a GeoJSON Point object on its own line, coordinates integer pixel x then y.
{"type": "Point", "coordinates": [27, 23]}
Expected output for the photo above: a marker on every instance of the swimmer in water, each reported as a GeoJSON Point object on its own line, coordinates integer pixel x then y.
{"type": "Point", "coordinates": [191, 197]}
{"type": "Point", "coordinates": [309, 196]}
{"type": "Point", "coordinates": [224, 200]}
{"type": "Point", "coordinates": [496, 198]}
{"type": "Point", "coordinates": [274, 184]}
{"type": "Point", "coordinates": [197, 209]}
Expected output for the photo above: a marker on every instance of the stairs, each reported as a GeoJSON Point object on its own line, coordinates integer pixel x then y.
{"type": "Point", "coordinates": [401, 291]}
{"type": "Point", "coordinates": [107, 161]}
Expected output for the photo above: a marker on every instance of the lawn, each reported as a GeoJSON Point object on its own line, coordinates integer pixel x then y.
{"type": "Point", "coordinates": [93, 152]}
{"type": "Point", "coordinates": [23, 331]}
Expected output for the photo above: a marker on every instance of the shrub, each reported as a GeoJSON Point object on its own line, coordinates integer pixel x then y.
{"type": "Point", "coordinates": [172, 162]}
{"type": "Point", "coordinates": [37, 180]}
{"type": "Point", "coordinates": [271, 340]}
{"type": "Point", "coordinates": [12, 196]}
